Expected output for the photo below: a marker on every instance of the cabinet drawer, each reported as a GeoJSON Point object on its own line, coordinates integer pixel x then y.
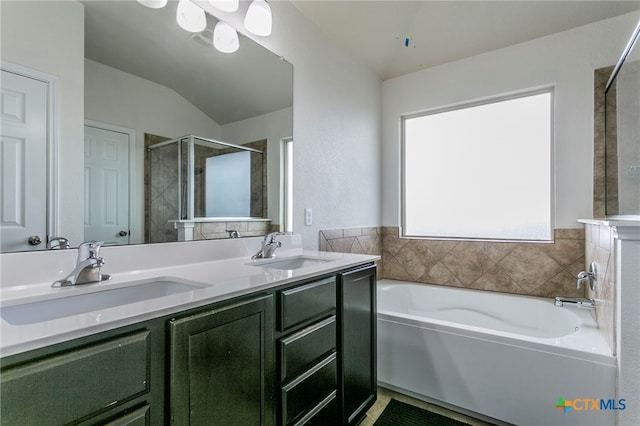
{"type": "Point", "coordinates": [305, 393]}
{"type": "Point", "coordinates": [299, 350]}
{"type": "Point", "coordinates": [69, 386]}
{"type": "Point", "coordinates": [325, 414]}
{"type": "Point", "coordinates": [306, 302]}
{"type": "Point", "coordinates": [138, 417]}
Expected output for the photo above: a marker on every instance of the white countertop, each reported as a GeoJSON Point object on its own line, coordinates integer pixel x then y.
{"type": "Point", "coordinates": [219, 279]}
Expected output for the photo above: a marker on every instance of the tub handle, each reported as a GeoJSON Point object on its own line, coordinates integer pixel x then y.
{"type": "Point", "coordinates": [591, 276]}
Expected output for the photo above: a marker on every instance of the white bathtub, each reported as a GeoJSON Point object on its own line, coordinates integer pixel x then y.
{"type": "Point", "coordinates": [505, 357]}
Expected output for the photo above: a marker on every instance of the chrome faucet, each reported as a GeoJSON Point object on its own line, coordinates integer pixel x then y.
{"type": "Point", "coordinates": [580, 302]}
{"type": "Point", "coordinates": [87, 268]}
{"type": "Point", "coordinates": [269, 246]}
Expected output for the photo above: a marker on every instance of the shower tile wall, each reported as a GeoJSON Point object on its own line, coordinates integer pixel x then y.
{"type": "Point", "coordinates": [600, 78]}
{"type": "Point", "coordinates": [545, 270]}
{"type": "Point", "coordinates": [161, 191]}
{"type": "Point", "coordinates": [599, 247]}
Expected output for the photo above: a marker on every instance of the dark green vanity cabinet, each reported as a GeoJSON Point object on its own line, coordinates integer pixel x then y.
{"type": "Point", "coordinates": [102, 379]}
{"type": "Point", "coordinates": [296, 354]}
{"type": "Point", "coordinates": [222, 365]}
{"type": "Point", "coordinates": [357, 340]}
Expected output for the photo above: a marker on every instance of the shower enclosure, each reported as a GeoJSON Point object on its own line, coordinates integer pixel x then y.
{"type": "Point", "coordinates": [194, 179]}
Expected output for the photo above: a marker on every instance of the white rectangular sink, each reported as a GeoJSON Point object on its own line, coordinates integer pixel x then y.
{"type": "Point", "coordinates": [291, 263]}
{"type": "Point", "coordinates": [47, 310]}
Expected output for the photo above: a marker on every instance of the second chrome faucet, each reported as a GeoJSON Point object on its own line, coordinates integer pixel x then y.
{"type": "Point", "coordinates": [269, 246]}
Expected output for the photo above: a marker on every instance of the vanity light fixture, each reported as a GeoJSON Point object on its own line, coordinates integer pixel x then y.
{"type": "Point", "coordinates": [191, 17]}
{"type": "Point", "coordinates": [225, 38]}
{"type": "Point", "coordinates": [225, 5]}
{"type": "Point", "coordinates": [154, 4]}
{"type": "Point", "coordinates": [259, 18]}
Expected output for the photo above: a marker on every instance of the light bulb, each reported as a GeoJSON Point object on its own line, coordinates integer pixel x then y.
{"type": "Point", "coordinates": [190, 17]}
{"type": "Point", "coordinates": [258, 19]}
{"type": "Point", "coordinates": [153, 4]}
{"type": "Point", "coordinates": [225, 38]}
{"type": "Point", "coordinates": [225, 5]}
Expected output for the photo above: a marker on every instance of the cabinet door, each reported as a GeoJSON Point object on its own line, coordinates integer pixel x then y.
{"type": "Point", "coordinates": [222, 366]}
{"type": "Point", "coordinates": [357, 342]}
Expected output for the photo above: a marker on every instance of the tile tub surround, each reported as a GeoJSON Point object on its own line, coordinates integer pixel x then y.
{"type": "Point", "coordinates": [599, 246]}
{"type": "Point", "coordinates": [534, 269]}
{"type": "Point", "coordinates": [367, 240]}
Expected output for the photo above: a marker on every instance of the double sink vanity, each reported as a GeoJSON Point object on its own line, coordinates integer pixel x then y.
{"type": "Point", "coordinates": [187, 334]}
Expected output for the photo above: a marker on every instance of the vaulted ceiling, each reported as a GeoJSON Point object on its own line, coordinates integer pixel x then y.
{"type": "Point", "coordinates": [400, 37]}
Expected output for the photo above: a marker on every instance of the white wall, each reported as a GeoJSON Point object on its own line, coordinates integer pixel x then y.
{"type": "Point", "coordinates": [274, 127]}
{"type": "Point", "coordinates": [336, 125]}
{"type": "Point", "coordinates": [52, 42]}
{"type": "Point", "coordinates": [123, 99]}
{"type": "Point", "coordinates": [565, 60]}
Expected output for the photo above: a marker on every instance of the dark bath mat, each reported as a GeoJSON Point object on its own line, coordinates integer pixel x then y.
{"type": "Point", "coordinates": [398, 413]}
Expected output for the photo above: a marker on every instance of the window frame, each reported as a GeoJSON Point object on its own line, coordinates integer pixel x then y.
{"type": "Point", "coordinates": [469, 104]}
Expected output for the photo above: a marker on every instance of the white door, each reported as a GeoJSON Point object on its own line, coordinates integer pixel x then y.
{"type": "Point", "coordinates": [106, 185]}
{"type": "Point", "coordinates": [23, 163]}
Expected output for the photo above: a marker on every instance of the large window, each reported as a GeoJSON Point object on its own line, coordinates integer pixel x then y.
{"type": "Point", "coordinates": [480, 171]}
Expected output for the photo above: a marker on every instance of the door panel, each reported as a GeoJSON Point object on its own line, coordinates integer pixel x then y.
{"type": "Point", "coordinates": [23, 162]}
{"type": "Point", "coordinates": [106, 185]}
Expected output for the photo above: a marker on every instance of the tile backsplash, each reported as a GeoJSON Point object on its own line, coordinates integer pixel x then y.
{"type": "Point", "coordinates": [535, 269]}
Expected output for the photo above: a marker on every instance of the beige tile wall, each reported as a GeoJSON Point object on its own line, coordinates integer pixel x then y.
{"type": "Point", "coordinates": [599, 248]}
{"type": "Point", "coordinates": [535, 269]}
{"type": "Point", "coordinates": [353, 240]}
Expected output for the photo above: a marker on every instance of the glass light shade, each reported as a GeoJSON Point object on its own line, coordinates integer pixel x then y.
{"type": "Point", "coordinates": [153, 4]}
{"type": "Point", "coordinates": [258, 19]}
{"type": "Point", "coordinates": [225, 38]}
{"type": "Point", "coordinates": [225, 5]}
{"type": "Point", "coordinates": [190, 17]}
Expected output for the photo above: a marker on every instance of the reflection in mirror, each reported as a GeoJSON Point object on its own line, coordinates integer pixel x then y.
{"type": "Point", "coordinates": [622, 134]}
{"type": "Point", "coordinates": [143, 75]}
{"type": "Point", "coordinates": [193, 179]}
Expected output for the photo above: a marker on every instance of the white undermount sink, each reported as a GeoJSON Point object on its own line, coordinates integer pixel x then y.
{"type": "Point", "coordinates": [291, 263]}
{"type": "Point", "coordinates": [61, 307]}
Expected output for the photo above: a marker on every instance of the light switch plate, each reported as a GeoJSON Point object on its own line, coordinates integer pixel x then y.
{"type": "Point", "coordinates": [308, 217]}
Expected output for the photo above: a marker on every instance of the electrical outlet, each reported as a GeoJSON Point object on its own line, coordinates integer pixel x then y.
{"type": "Point", "coordinates": [308, 217]}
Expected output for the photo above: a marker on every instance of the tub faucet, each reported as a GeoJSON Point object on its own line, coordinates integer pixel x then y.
{"type": "Point", "coordinates": [269, 246]}
{"type": "Point", "coordinates": [87, 268]}
{"type": "Point", "coordinates": [580, 302]}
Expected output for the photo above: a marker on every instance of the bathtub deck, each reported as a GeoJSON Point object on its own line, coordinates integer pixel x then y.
{"type": "Point", "coordinates": [385, 395]}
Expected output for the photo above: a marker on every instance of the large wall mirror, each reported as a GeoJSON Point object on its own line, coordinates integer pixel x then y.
{"type": "Point", "coordinates": [126, 77]}
{"type": "Point", "coordinates": [622, 134]}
